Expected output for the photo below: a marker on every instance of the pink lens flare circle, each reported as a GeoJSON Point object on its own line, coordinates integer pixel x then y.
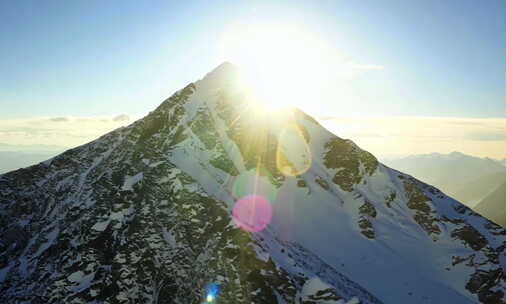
{"type": "Point", "coordinates": [252, 213]}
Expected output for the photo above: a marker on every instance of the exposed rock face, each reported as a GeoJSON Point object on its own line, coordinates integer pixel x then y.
{"type": "Point", "coordinates": [143, 215]}
{"type": "Point", "coordinates": [366, 212]}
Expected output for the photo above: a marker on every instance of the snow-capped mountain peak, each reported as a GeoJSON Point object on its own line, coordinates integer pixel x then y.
{"type": "Point", "coordinates": [154, 213]}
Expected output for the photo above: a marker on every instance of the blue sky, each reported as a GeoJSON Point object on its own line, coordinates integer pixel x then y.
{"type": "Point", "coordinates": [89, 58]}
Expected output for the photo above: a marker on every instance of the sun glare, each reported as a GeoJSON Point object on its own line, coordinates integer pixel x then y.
{"type": "Point", "coordinates": [281, 65]}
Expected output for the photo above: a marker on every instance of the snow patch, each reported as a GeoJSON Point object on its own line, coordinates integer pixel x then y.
{"type": "Point", "coordinates": [132, 180]}
{"type": "Point", "coordinates": [101, 226]}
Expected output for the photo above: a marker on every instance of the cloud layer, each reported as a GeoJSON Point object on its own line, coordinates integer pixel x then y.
{"type": "Point", "coordinates": [65, 132]}
{"type": "Point", "coordinates": [383, 136]}
{"type": "Point", "coordinates": [401, 135]}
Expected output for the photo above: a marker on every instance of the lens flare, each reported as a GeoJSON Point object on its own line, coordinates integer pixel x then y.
{"type": "Point", "coordinates": [252, 213]}
{"type": "Point", "coordinates": [293, 156]}
{"type": "Point", "coordinates": [255, 182]}
{"type": "Point", "coordinates": [211, 292]}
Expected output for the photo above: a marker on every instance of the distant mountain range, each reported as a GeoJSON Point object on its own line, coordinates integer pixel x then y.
{"type": "Point", "coordinates": [466, 178]}
{"type": "Point", "coordinates": [494, 205]}
{"type": "Point", "coordinates": [213, 198]}
{"type": "Point", "coordinates": [13, 157]}
{"type": "Point", "coordinates": [479, 183]}
{"type": "Point", "coordinates": [31, 148]}
{"type": "Point", "coordinates": [478, 189]}
{"type": "Point", "coordinates": [12, 160]}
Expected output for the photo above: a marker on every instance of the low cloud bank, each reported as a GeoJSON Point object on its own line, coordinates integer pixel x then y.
{"type": "Point", "coordinates": [405, 135]}
{"type": "Point", "coordinates": [383, 136]}
{"type": "Point", "coordinates": [65, 132]}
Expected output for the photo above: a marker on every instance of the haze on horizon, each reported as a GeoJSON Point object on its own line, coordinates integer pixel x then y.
{"type": "Point", "coordinates": [396, 77]}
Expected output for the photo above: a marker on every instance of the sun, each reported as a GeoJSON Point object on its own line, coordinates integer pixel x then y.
{"type": "Point", "coordinates": [281, 65]}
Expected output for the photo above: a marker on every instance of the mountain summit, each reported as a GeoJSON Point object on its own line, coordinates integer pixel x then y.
{"type": "Point", "coordinates": [211, 198]}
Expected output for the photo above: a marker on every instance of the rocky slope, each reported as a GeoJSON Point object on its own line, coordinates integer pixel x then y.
{"type": "Point", "coordinates": [146, 214]}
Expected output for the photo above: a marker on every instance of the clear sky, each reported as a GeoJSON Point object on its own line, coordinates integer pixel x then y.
{"type": "Point", "coordinates": [96, 58]}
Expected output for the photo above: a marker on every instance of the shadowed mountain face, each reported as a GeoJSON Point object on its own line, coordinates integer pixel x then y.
{"type": "Point", "coordinates": [151, 213]}
{"type": "Point", "coordinates": [494, 206]}
{"type": "Point", "coordinates": [467, 178]}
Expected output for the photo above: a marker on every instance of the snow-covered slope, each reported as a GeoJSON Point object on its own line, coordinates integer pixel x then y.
{"type": "Point", "coordinates": [143, 215]}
